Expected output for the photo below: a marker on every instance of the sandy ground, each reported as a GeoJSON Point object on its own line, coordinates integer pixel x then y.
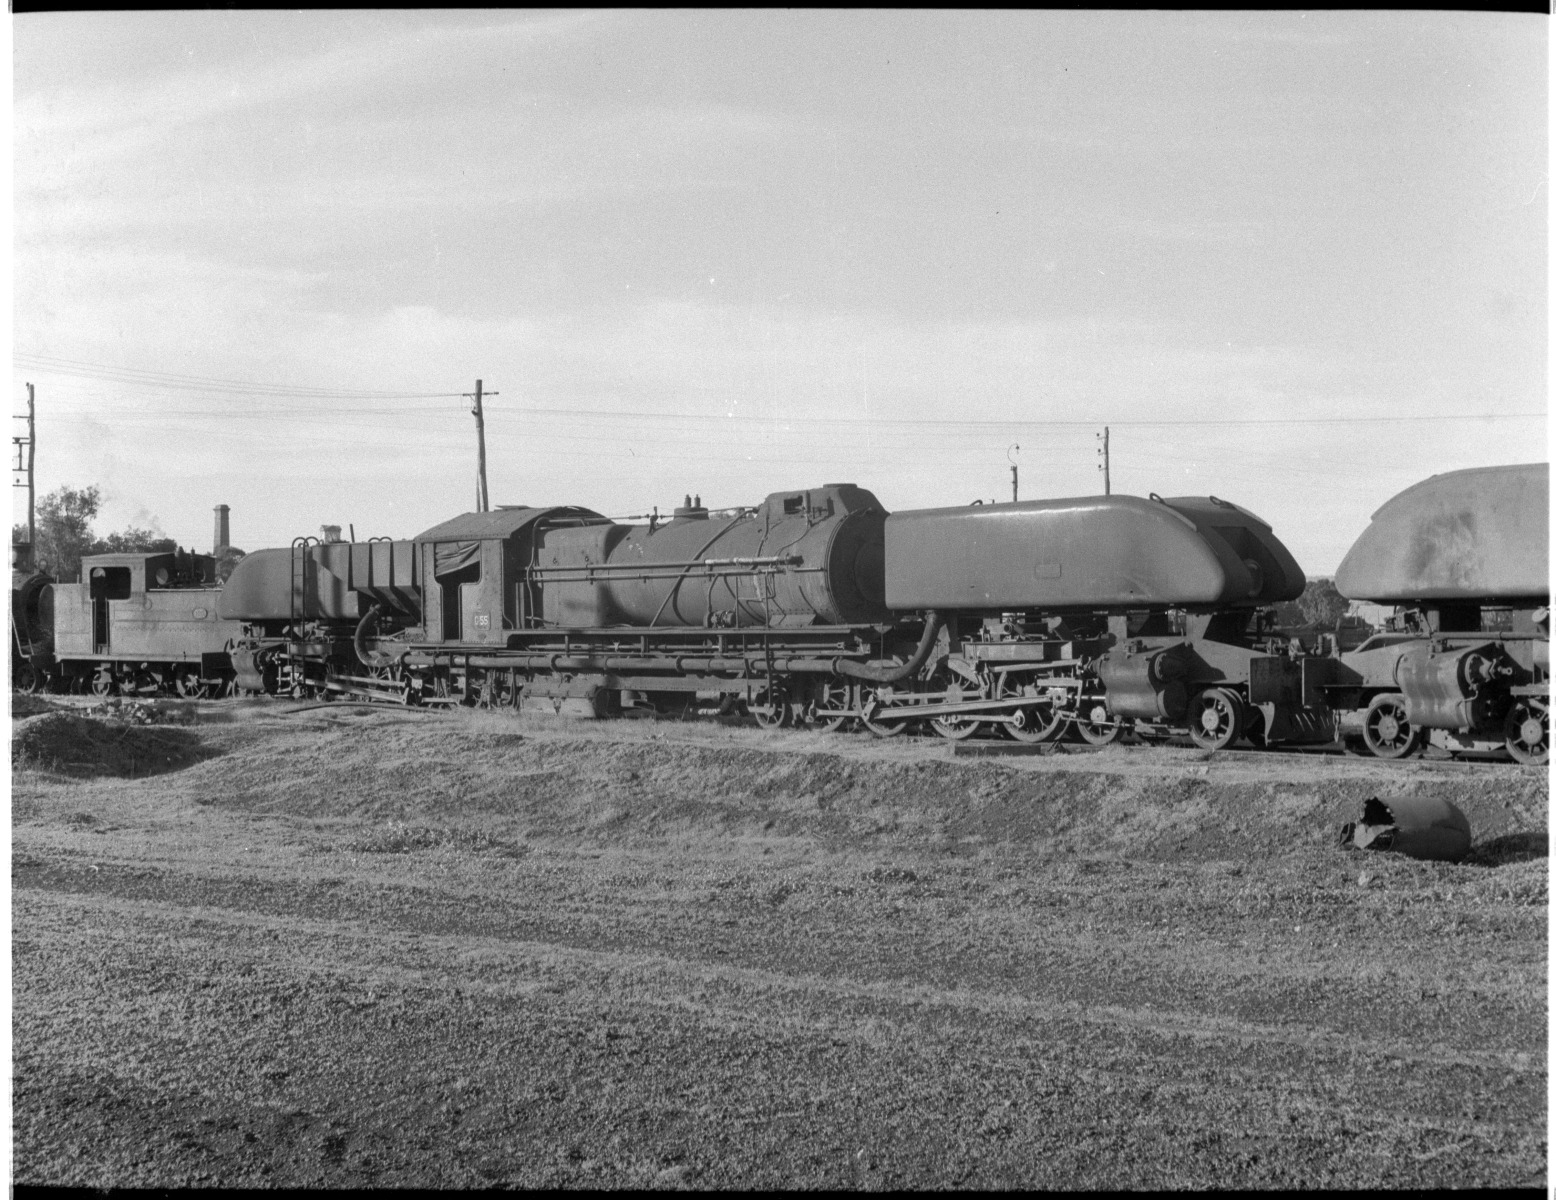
{"type": "Point", "coordinates": [254, 946]}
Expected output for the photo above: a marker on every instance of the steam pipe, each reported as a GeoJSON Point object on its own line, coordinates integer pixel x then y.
{"type": "Point", "coordinates": [893, 674]}
{"type": "Point", "coordinates": [369, 658]}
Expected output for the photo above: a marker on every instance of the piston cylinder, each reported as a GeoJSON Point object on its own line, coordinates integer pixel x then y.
{"type": "Point", "coordinates": [1148, 685]}
{"type": "Point", "coordinates": [1454, 690]}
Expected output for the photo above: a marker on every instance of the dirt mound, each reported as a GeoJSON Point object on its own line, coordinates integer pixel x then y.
{"type": "Point", "coordinates": [636, 792]}
{"type": "Point", "coordinates": [145, 712]}
{"type": "Point", "coordinates": [67, 743]}
{"type": "Point", "coordinates": [25, 704]}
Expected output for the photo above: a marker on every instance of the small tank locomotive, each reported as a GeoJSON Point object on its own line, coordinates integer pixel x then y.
{"type": "Point", "coordinates": [139, 623]}
{"type": "Point", "coordinates": [1464, 663]}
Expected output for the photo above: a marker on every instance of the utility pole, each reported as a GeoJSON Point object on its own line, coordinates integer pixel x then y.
{"type": "Point", "coordinates": [29, 444]}
{"type": "Point", "coordinates": [1103, 466]}
{"type": "Point", "coordinates": [480, 443]}
{"type": "Point", "coordinates": [1014, 496]}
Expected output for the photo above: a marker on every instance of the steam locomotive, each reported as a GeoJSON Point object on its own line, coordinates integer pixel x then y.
{"type": "Point", "coordinates": [1086, 616]}
{"type": "Point", "coordinates": [1465, 661]}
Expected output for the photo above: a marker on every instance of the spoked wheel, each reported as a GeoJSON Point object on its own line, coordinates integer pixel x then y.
{"type": "Point", "coordinates": [885, 729]}
{"type": "Point", "coordinates": [774, 711]}
{"type": "Point", "coordinates": [1528, 729]}
{"type": "Point", "coordinates": [25, 679]}
{"type": "Point", "coordinates": [955, 726]}
{"type": "Point", "coordinates": [1387, 730]}
{"type": "Point", "coordinates": [833, 695]}
{"type": "Point", "coordinates": [103, 682]}
{"type": "Point", "coordinates": [1095, 724]}
{"type": "Point", "coordinates": [190, 686]}
{"type": "Point", "coordinates": [1042, 721]}
{"type": "Point", "coordinates": [1216, 718]}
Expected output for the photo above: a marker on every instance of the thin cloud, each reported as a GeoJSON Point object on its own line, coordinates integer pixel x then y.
{"type": "Point", "coordinates": [106, 123]}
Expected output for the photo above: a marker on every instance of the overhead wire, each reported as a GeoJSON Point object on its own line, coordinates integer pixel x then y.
{"type": "Point", "coordinates": [178, 382]}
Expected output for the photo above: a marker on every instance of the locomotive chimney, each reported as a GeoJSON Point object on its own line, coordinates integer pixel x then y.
{"type": "Point", "coordinates": [223, 537]}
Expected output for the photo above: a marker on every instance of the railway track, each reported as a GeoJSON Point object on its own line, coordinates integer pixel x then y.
{"type": "Point", "coordinates": [982, 748]}
{"type": "Point", "coordinates": [1449, 765]}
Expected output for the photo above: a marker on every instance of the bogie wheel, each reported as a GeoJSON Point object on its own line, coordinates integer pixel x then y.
{"type": "Point", "coordinates": [190, 686]}
{"type": "Point", "coordinates": [1095, 724]}
{"type": "Point", "coordinates": [884, 729]}
{"type": "Point", "coordinates": [1387, 729]}
{"type": "Point", "coordinates": [1216, 718]}
{"type": "Point", "coordinates": [1529, 731]}
{"type": "Point", "coordinates": [103, 683]}
{"type": "Point", "coordinates": [25, 679]}
{"type": "Point", "coordinates": [833, 695]}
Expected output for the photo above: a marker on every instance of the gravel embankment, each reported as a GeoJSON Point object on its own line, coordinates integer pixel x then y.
{"type": "Point", "coordinates": [346, 948]}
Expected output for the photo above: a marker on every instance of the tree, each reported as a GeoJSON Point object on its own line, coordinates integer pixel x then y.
{"type": "Point", "coordinates": [131, 540]}
{"type": "Point", "coordinates": [64, 533]}
{"type": "Point", "coordinates": [225, 561]}
{"type": "Point", "coordinates": [1322, 604]}
{"type": "Point", "coordinates": [64, 530]}
{"type": "Point", "coordinates": [1320, 607]}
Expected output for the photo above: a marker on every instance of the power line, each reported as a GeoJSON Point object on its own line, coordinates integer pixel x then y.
{"type": "Point", "coordinates": [165, 379]}
{"type": "Point", "coordinates": [171, 381]}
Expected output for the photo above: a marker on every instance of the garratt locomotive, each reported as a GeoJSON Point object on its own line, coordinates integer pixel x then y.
{"type": "Point", "coordinates": [814, 606]}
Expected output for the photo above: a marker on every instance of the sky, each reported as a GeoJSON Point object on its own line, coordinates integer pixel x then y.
{"type": "Point", "coordinates": [1295, 260]}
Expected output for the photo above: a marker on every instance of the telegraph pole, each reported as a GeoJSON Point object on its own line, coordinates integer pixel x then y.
{"type": "Point", "coordinates": [1103, 466]}
{"type": "Point", "coordinates": [480, 449]}
{"type": "Point", "coordinates": [29, 444]}
{"type": "Point", "coordinates": [1014, 496]}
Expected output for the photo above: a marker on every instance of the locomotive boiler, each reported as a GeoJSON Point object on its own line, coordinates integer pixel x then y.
{"type": "Point", "coordinates": [1465, 661]}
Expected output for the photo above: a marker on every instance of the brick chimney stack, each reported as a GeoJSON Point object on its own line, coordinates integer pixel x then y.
{"type": "Point", "coordinates": [223, 537]}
